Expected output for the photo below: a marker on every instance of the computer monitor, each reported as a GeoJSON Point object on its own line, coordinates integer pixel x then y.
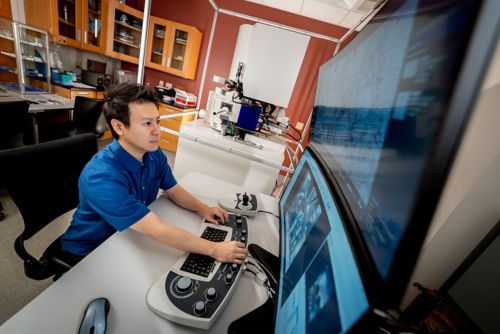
{"type": "Point", "coordinates": [320, 284]}
{"type": "Point", "coordinates": [389, 113]}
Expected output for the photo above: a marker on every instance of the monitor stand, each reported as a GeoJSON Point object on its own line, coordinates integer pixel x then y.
{"type": "Point", "coordinates": [260, 320]}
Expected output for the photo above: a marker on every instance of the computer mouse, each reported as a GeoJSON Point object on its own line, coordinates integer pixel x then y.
{"type": "Point", "coordinates": [95, 317]}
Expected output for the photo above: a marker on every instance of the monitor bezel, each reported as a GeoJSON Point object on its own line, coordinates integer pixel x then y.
{"type": "Point", "coordinates": [389, 293]}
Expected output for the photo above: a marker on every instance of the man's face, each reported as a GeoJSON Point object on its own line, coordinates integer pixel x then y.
{"type": "Point", "coordinates": [143, 134]}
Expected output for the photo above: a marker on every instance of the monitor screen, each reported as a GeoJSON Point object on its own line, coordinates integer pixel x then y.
{"type": "Point", "coordinates": [386, 122]}
{"type": "Point", "coordinates": [320, 284]}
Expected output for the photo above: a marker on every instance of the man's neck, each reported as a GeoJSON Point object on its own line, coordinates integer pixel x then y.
{"type": "Point", "coordinates": [132, 150]}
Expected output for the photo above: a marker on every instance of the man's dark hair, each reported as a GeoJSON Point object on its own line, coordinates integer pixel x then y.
{"type": "Point", "coordinates": [118, 99]}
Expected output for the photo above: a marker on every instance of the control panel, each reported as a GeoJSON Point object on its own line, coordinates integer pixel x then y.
{"type": "Point", "coordinates": [197, 287]}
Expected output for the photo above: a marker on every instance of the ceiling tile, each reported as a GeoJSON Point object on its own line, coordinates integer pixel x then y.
{"type": "Point", "coordinates": [321, 10]}
{"type": "Point", "coordinates": [293, 6]}
{"type": "Point", "coordinates": [351, 19]}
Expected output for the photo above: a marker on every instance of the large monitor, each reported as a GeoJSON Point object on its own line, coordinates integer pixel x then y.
{"type": "Point", "coordinates": [389, 114]}
{"type": "Point", "coordinates": [320, 284]}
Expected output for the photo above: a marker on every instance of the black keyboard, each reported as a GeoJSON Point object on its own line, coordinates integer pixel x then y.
{"type": "Point", "coordinates": [202, 265]}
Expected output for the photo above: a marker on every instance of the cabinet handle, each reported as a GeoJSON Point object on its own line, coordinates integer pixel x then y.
{"type": "Point", "coordinates": [83, 93]}
{"type": "Point", "coordinates": [85, 37]}
{"type": "Point", "coordinates": [168, 61]}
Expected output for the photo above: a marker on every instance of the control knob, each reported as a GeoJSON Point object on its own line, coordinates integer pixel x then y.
{"type": "Point", "coordinates": [199, 308]}
{"type": "Point", "coordinates": [243, 239]}
{"type": "Point", "coordinates": [184, 284]}
{"type": "Point", "coordinates": [234, 267]}
{"type": "Point", "coordinates": [229, 278]}
{"type": "Point", "coordinates": [243, 232]}
{"type": "Point", "coordinates": [211, 294]}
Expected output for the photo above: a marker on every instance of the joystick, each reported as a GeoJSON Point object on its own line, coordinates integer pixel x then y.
{"type": "Point", "coordinates": [241, 203]}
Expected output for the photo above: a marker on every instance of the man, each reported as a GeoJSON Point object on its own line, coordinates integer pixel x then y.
{"type": "Point", "coordinates": [119, 182]}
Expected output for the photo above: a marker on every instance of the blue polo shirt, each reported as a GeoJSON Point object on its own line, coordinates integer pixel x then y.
{"type": "Point", "coordinates": [115, 190]}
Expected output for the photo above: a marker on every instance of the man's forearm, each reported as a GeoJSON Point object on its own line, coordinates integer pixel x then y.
{"type": "Point", "coordinates": [173, 236]}
{"type": "Point", "coordinates": [184, 199]}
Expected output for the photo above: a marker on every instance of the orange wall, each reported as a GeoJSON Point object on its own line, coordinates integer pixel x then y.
{"type": "Point", "coordinates": [200, 14]}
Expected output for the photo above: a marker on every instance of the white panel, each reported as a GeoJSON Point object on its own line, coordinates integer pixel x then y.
{"type": "Point", "coordinates": [323, 11]}
{"type": "Point", "coordinates": [274, 61]}
{"type": "Point", "coordinates": [241, 50]}
{"type": "Point", "coordinates": [293, 6]}
{"type": "Point", "coordinates": [351, 19]}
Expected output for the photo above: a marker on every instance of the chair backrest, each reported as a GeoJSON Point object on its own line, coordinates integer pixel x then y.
{"type": "Point", "coordinates": [42, 179]}
{"type": "Point", "coordinates": [12, 121]}
{"type": "Point", "coordinates": [86, 114]}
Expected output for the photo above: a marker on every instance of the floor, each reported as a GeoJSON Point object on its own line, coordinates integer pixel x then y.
{"type": "Point", "coordinates": [16, 290]}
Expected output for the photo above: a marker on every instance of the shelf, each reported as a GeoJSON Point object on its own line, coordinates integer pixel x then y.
{"type": "Point", "coordinates": [27, 58]}
{"type": "Point", "coordinates": [8, 69]}
{"type": "Point", "coordinates": [61, 20]}
{"type": "Point", "coordinates": [7, 37]}
{"type": "Point", "coordinates": [158, 53]}
{"type": "Point", "coordinates": [159, 36]}
{"type": "Point", "coordinates": [126, 43]}
{"type": "Point", "coordinates": [39, 45]}
{"type": "Point", "coordinates": [128, 26]}
{"type": "Point", "coordinates": [181, 41]}
{"type": "Point", "coordinates": [94, 12]}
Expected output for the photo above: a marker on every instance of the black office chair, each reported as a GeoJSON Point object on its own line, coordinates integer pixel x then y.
{"type": "Point", "coordinates": [42, 180]}
{"type": "Point", "coordinates": [88, 117]}
{"type": "Point", "coordinates": [12, 120]}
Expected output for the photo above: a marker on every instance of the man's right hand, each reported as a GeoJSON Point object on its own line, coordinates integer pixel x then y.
{"type": "Point", "coordinates": [230, 251]}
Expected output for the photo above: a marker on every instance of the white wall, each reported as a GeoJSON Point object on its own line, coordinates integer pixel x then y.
{"type": "Point", "coordinates": [470, 203]}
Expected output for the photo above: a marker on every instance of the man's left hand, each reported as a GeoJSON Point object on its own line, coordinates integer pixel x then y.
{"type": "Point", "coordinates": [210, 214]}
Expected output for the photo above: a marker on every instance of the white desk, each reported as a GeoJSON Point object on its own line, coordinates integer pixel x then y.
{"type": "Point", "coordinates": [124, 266]}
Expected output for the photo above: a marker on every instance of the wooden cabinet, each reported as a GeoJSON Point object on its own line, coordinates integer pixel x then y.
{"type": "Point", "coordinates": [124, 32]}
{"type": "Point", "coordinates": [34, 16]}
{"type": "Point", "coordinates": [73, 93]}
{"type": "Point", "coordinates": [80, 23]}
{"type": "Point", "coordinates": [173, 47]}
{"type": "Point", "coordinates": [169, 141]}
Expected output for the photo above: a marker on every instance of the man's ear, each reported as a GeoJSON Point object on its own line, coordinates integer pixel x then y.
{"type": "Point", "coordinates": [117, 126]}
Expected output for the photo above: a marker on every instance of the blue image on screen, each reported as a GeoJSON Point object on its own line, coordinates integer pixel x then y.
{"type": "Point", "coordinates": [378, 108]}
{"type": "Point", "coordinates": [320, 284]}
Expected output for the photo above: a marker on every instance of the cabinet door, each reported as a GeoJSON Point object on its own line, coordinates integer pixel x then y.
{"type": "Point", "coordinates": [158, 33]}
{"type": "Point", "coordinates": [67, 22]}
{"type": "Point", "coordinates": [94, 22]}
{"type": "Point", "coordinates": [183, 50]}
{"type": "Point", "coordinates": [124, 32]}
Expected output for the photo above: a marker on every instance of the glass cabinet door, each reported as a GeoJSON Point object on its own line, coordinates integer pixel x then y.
{"type": "Point", "coordinates": [94, 24]}
{"type": "Point", "coordinates": [178, 49]}
{"type": "Point", "coordinates": [68, 24]}
{"type": "Point", "coordinates": [183, 50]}
{"type": "Point", "coordinates": [158, 34]}
{"type": "Point", "coordinates": [125, 28]}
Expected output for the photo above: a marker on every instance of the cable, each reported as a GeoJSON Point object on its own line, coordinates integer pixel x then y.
{"type": "Point", "coordinates": [268, 212]}
{"type": "Point", "coordinates": [261, 267]}
{"type": "Point", "coordinates": [263, 280]}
